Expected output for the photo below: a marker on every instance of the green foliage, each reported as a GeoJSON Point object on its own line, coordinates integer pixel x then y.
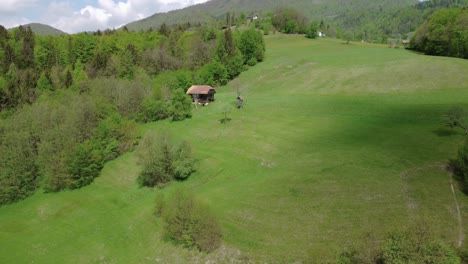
{"type": "Point", "coordinates": [183, 164]}
{"type": "Point", "coordinates": [289, 20]}
{"type": "Point", "coordinates": [184, 80]}
{"type": "Point", "coordinates": [126, 70]}
{"type": "Point", "coordinates": [348, 257]}
{"type": "Point", "coordinates": [347, 36]}
{"type": "Point", "coordinates": [445, 33]}
{"type": "Point", "coordinates": [126, 95]}
{"type": "Point", "coordinates": [154, 109]}
{"type": "Point", "coordinates": [312, 30]}
{"type": "Point", "coordinates": [113, 77]}
{"type": "Point", "coordinates": [26, 55]}
{"type": "Point", "coordinates": [228, 54]}
{"type": "Point", "coordinates": [84, 164]}
{"type": "Point", "coordinates": [356, 129]}
{"type": "Point", "coordinates": [417, 247]}
{"type": "Point", "coordinates": [214, 74]}
{"type": "Point", "coordinates": [157, 60]}
{"type": "Point", "coordinates": [290, 27]}
{"type": "Point", "coordinates": [68, 78]}
{"type": "Point", "coordinates": [164, 30]}
{"type": "Point", "coordinates": [18, 170]}
{"type": "Point", "coordinates": [181, 105]}
{"type": "Point", "coordinates": [457, 117]}
{"type": "Point", "coordinates": [461, 165]}
{"type": "Point", "coordinates": [163, 162]}
{"type": "Point", "coordinates": [235, 65]}
{"type": "Point", "coordinates": [252, 46]}
{"type": "Point", "coordinates": [70, 137]}
{"type": "Point", "coordinates": [79, 76]}
{"type": "Point", "coordinates": [43, 83]}
{"type": "Point", "coordinates": [82, 47]}
{"type": "Point", "coordinates": [189, 222]}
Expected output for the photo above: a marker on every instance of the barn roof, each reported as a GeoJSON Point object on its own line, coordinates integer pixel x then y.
{"type": "Point", "coordinates": [200, 89]}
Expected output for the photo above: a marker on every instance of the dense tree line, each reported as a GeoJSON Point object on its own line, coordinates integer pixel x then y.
{"type": "Point", "coordinates": [361, 20]}
{"type": "Point", "coordinates": [69, 103]}
{"type": "Point", "coordinates": [381, 21]}
{"type": "Point", "coordinates": [445, 33]}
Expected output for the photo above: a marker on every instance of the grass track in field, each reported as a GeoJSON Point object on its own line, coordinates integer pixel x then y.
{"type": "Point", "coordinates": [312, 165]}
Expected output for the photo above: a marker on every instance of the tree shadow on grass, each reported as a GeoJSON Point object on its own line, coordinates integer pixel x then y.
{"type": "Point", "coordinates": [445, 132]}
{"type": "Point", "coordinates": [225, 120]}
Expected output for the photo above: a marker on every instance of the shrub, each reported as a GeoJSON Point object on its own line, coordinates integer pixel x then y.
{"type": "Point", "coordinates": [214, 74]}
{"type": "Point", "coordinates": [162, 162]}
{"type": "Point", "coordinates": [417, 246]}
{"type": "Point", "coordinates": [84, 164]}
{"type": "Point", "coordinates": [461, 165]}
{"type": "Point", "coordinates": [156, 157]}
{"type": "Point", "coordinates": [189, 222]}
{"type": "Point", "coordinates": [160, 204]}
{"type": "Point", "coordinates": [183, 164]}
{"type": "Point", "coordinates": [457, 117]}
{"type": "Point", "coordinates": [252, 46]}
{"type": "Point", "coordinates": [312, 31]}
{"type": "Point", "coordinates": [153, 110]}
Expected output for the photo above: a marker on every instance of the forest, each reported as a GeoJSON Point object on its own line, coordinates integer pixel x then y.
{"type": "Point", "coordinates": [361, 20]}
{"type": "Point", "coordinates": [445, 33]}
{"type": "Point", "coordinates": [70, 103]}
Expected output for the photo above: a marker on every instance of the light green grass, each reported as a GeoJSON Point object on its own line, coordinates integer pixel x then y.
{"type": "Point", "coordinates": [336, 145]}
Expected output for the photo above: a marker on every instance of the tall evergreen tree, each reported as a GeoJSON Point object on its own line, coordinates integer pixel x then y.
{"type": "Point", "coordinates": [26, 57]}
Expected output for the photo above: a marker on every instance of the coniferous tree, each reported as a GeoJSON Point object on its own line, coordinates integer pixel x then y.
{"type": "Point", "coordinates": [43, 83]}
{"type": "Point", "coordinates": [8, 57]}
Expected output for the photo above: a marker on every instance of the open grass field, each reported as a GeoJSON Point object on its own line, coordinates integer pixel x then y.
{"type": "Point", "coordinates": [337, 146]}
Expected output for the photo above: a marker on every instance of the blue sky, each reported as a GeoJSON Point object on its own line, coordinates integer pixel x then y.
{"type": "Point", "coordinates": [74, 16]}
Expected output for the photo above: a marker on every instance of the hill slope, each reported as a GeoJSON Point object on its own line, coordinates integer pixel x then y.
{"type": "Point", "coordinates": [314, 9]}
{"type": "Point", "coordinates": [337, 145]}
{"type": "Point", "coordinates": [45, 30]}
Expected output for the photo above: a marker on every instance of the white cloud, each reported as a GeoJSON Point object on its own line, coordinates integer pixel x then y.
{"type": "Point", "coordinates": [12, 6]}
{"type": "Point", "coordinates": [107, 13]}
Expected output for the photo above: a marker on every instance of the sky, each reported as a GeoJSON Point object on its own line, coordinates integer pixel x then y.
{"type": "Point", "coordinates": [73, 16]}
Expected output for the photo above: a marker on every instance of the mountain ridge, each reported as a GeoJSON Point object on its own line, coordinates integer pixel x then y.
{"type": "Point", "coordinates": [42, 29]}
{"type": "Point", "coordinates": [215, 9]}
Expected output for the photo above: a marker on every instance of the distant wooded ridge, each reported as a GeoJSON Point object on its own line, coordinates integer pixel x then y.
{"type": "Point", "coordinates": [371, 21]}
{"type": "Point", "coordinates": [368, 20]}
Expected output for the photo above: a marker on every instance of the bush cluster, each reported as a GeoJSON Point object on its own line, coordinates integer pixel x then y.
{"type": "Point", "coordinates": [189, 222]}
{"type": "Point", "coordinates": [162, 161]}
{"type": "Point", "coordinates": [414, 245]}
{"type": "Point", "coordinates": [461, 165]}
{"type": "Point", "coordinates": [61, 142]}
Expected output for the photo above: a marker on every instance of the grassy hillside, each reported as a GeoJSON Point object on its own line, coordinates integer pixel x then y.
{"type": "Point", "coordinates": [315, 10]}
{"type": "Point", "coordinates": [45, 30]}
{"type": "Point", "coordinates": [337, 146]}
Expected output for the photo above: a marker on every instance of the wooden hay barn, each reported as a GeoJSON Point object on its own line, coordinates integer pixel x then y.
{"type": "Point", "coordinates": [201, 94]}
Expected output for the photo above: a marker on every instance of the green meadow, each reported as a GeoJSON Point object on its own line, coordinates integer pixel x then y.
{"type": "Point", "coordinates": [337, 146]}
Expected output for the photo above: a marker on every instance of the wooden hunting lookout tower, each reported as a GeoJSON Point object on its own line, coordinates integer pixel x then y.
{"type": "Point", "coordinates": [201, 94]}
